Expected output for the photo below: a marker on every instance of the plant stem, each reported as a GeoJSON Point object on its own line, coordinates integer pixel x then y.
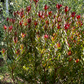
{"type": "Point", "coordinates": [13, 77]}
{"type": "Point", "coordinates": [45, 76]}
{"type": "Point", "coordinates": [55, 75]}
{"type": "Point", "coordinates": [56, 71]}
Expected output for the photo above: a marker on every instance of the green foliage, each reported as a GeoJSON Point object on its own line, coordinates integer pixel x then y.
{"type": "Point", "coordinates": [44, 46]}
{"type": "Point", "coordinates": [1, 23]}
{"type": "Point", "coordinates": [3, 16]}
{"type": "Point", "coordinates": [76, 5]}
{"type": "Point", "coordinates": [18, 4]}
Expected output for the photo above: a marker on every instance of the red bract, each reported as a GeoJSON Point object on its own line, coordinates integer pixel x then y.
{"type": "Point", "coordinates": [78, 16]}
{"type": "Point", "coordinates": [25, 24]}
{"type": "Point", "coordinates": [36, 1]}
{"type": "Point", "coordinates": [58, 45]}
{"type": "Point", "coordinates": [47, 22]}
{"type": "Point", "coordinates": [50, 12]}
{"type": "Point", "coordinates": [70, 59]}
{"type": "Point", "coordinates": [74, 41]}
{"type": "Point", "coordinates": [15, 40]}
{"type": "Point", "coordinates": [40, 14]}
{"type": "Point", "coordinates": [68, 44]}
{"type": "Point", "coordinates": [23, 35]}
{"type": "Point", "coordinates": [43, 13]}
{"type": "Point", "coordinates": [58, 26]}
{"type": "Point", "coordinates": [83, 32]}
{"type": "Point", "coordinates": [71, 37]}
{"type": "Point", "coordinates": [12, 20]}
{"type": "Point", "coordinates": [15, 33]}
{"type": "Point", "coordinates": [47, 15]}
{"type": "Point", "coordinates": [46, 36]}
{"type": "Point", "coordinates": [80, 24]}
{"type": "Point", "coordinates": [37, 32]}
{"type": "Point", "coordinates": [54, 21]}
{"type": "Point", "coordinates": [46, 7]}
{"type": "Point", "coordinates": [43, 17]}
{"type": "Point", "coordinates": [18, 52]}
{"type": "Point", "coordinates": [73, 28]}
{"type": "Point", "coordinates": [59, 19]}
{"type": "Point", "coordinates": [7, 19]}
{"type": "Point", "coordinates": [69, 53]}
{"type": "Point", "coordinates": [28, 8]}
{"type": "Point", "coordinates": [29, 20]}
{"type": "Point", "coordinates": [5, 27]}
{"type": "Point", "coordinates": [77, 60]}
{"type": "Point", "coordinates": [3, 51]}
{"type": "Point", "coordinates": [21, 46]}
{"type": "Point", "coordinates": [10, 28]}
{"type": "Point", "coordinates": [66, 26]}
{"type": "Point", "coordinates": [35, 23]}
{"type": "Point", "coordinates": [15, 13]}
{"type": "Point", "coordinates": [21, 13]}
{"type": "Point", "coordinates": [73, 14]}
{"type": "Point", "coordinates": [54, 16]}
{"type": "Point", "coordinates": [66, 8]}
{"type": "Point", "coordinates": [21, 22]}
{"type": "Point", "coordinates": [58, 6]}
{"type": "Point", "coordinates": [22, 10]}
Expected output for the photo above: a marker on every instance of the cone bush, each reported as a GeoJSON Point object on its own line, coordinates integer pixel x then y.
{"type": "Point", "coordinates": [45, 47]}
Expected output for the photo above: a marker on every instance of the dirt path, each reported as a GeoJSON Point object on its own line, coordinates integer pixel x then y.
{"type": "Point", "coordinates": [5, 79]}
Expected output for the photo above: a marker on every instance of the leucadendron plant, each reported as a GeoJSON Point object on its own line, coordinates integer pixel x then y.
{"type": "Point", "coordinates": [45, 47]}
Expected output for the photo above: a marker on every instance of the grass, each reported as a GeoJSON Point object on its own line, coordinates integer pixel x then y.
{"type": "Point", "coordinates": [5, 77]}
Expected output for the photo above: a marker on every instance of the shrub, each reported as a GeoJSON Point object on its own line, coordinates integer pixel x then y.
{"type": "Point", "coordinates": [77, 6]}
{"type": "Point", "coordinates": [45, 46]}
